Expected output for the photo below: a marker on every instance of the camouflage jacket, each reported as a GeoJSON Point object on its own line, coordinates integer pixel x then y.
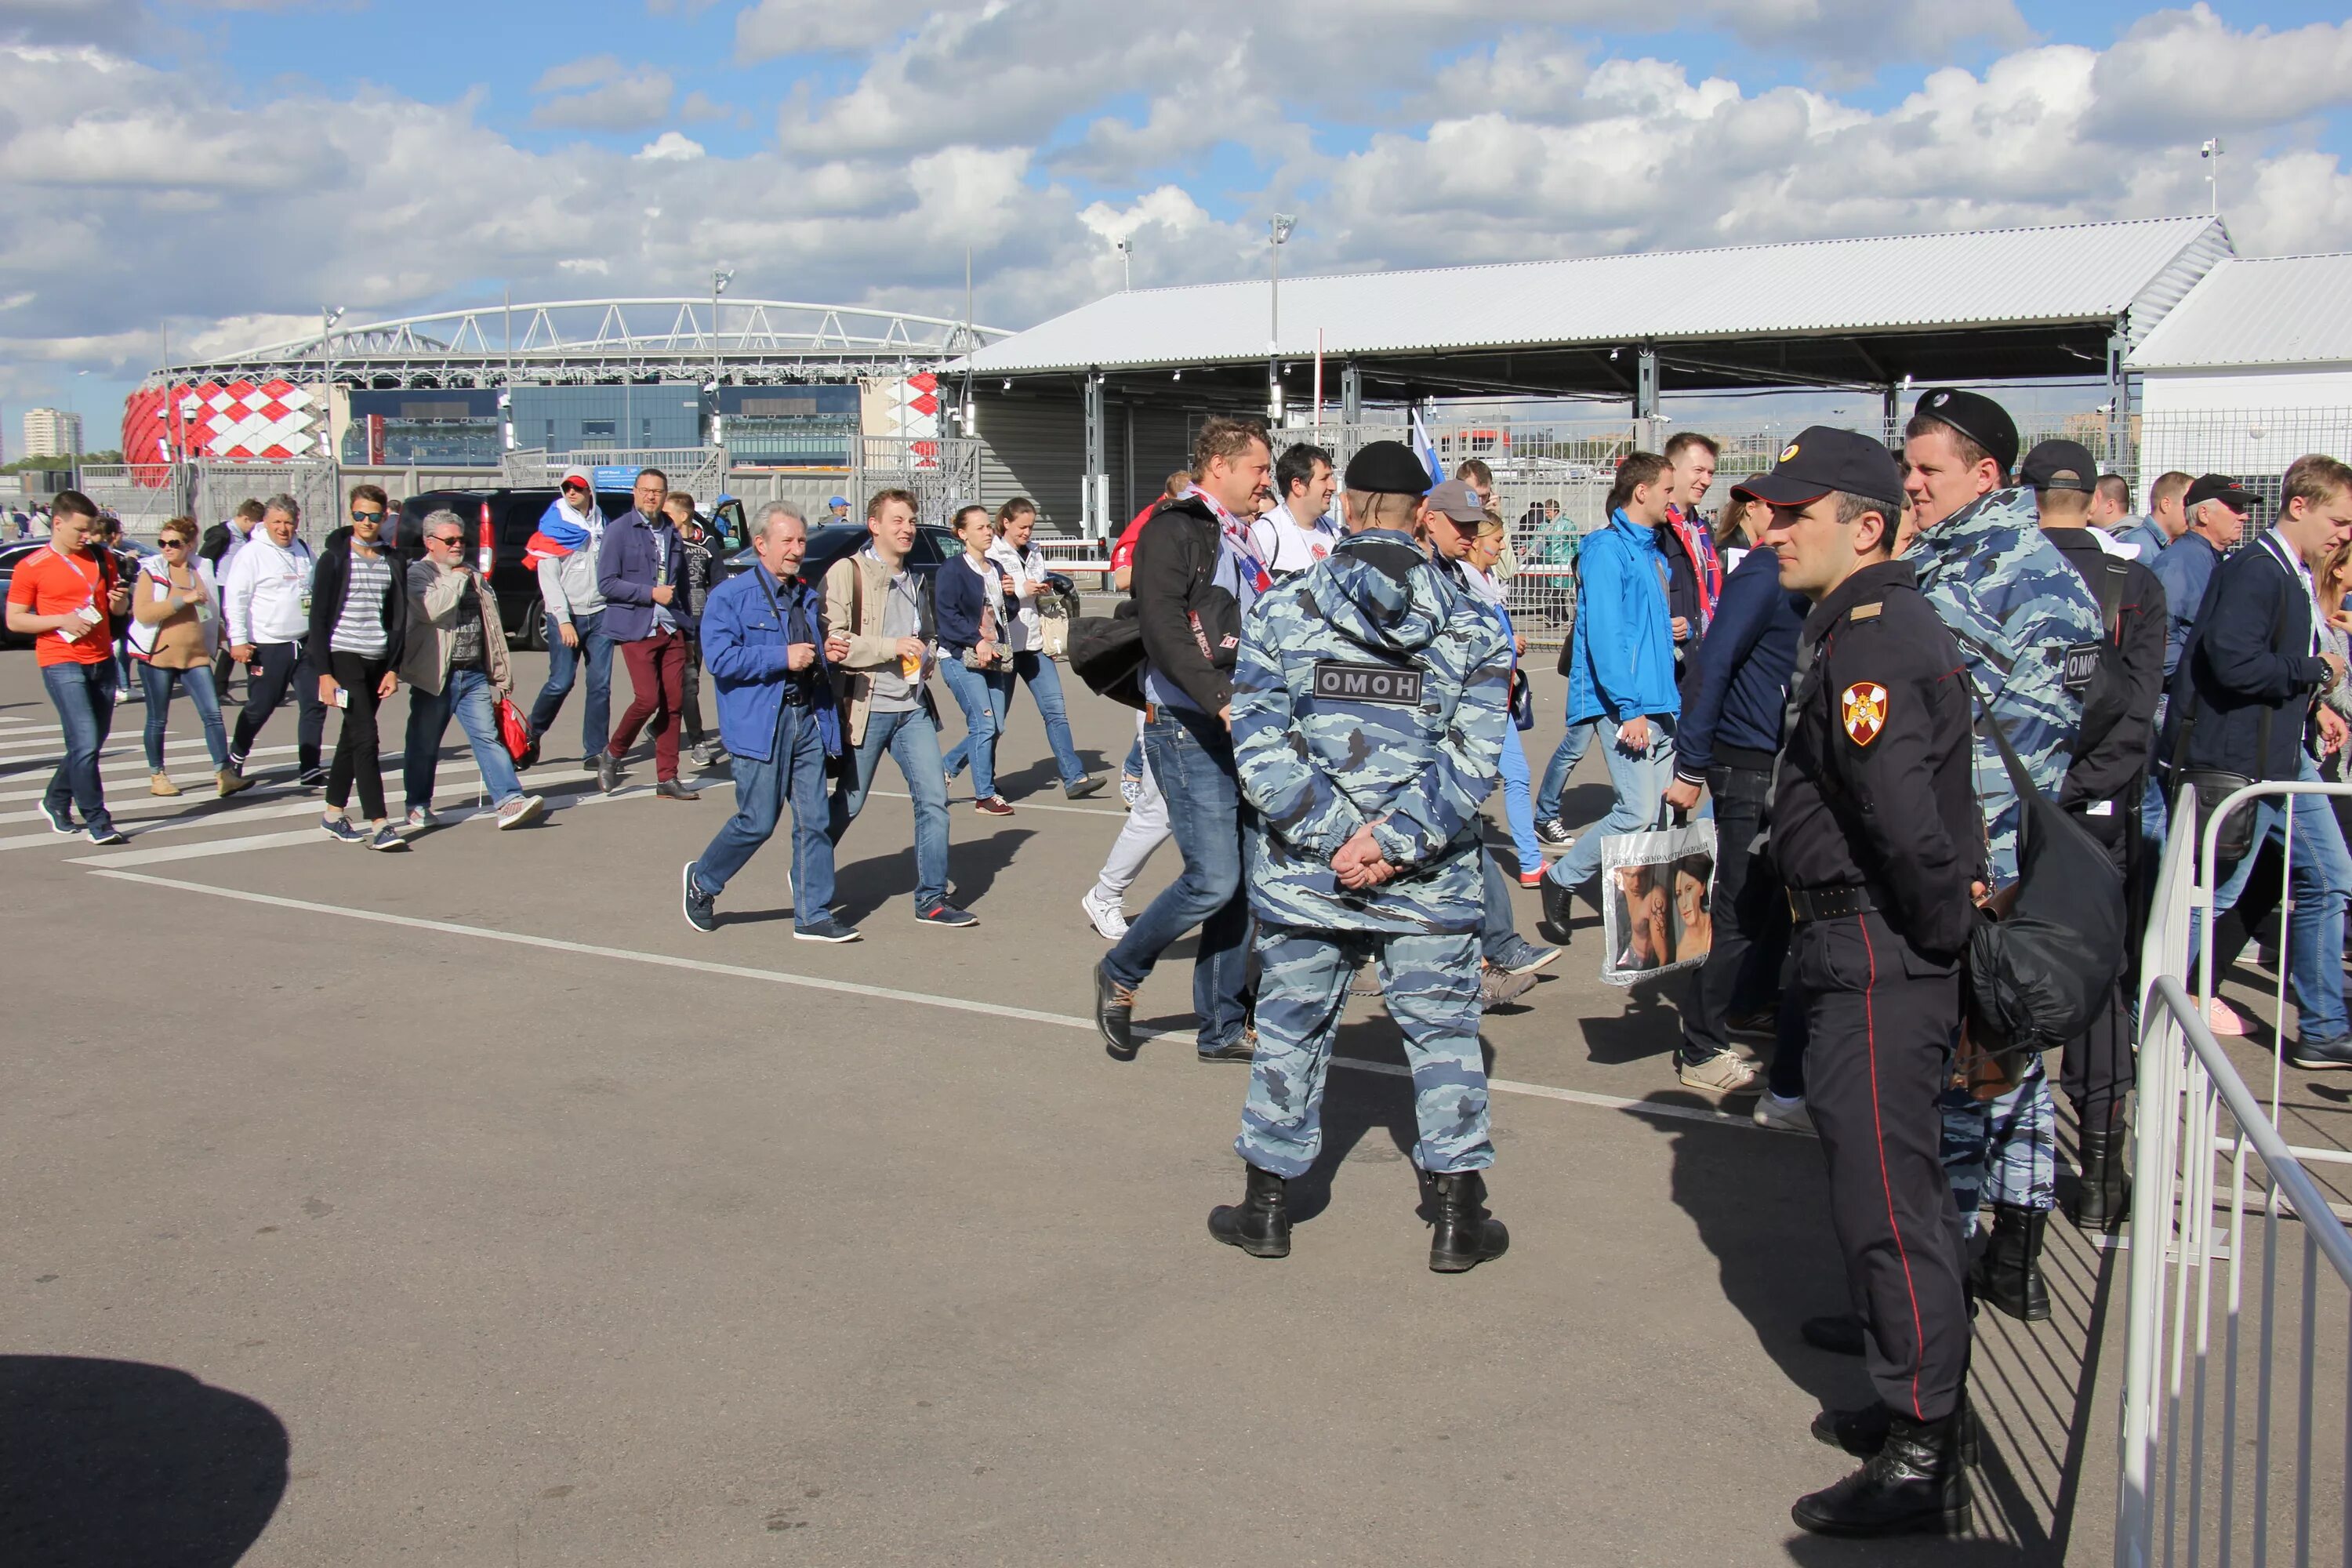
{"type": "Point", "coordinates": [2015, 607]}
{"type": "Point", "coordinates": [1369, 689]}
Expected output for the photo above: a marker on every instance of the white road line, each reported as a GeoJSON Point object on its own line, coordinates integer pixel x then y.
{"type": "Point", "coordinates": [210, 846]}
{"type": "Point", "coordinates": [853, 988]}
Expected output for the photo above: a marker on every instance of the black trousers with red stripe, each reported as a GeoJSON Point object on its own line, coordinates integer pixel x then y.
{"type": "Point", "coordinates": [1881, 1018]}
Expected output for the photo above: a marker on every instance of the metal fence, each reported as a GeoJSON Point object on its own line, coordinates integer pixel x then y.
{"type": "Point", "coordinates": [145, 496]}
{"type": "Point", "coordinates": [218, 486]}
{"type": "Point", "coordinates": [942, 472]}
{"type": "Point", "coordinates": [2240, 1450]}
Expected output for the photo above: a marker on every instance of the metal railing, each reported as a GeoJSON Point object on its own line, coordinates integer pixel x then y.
{"type": "Point", "coordinates": [2203, 1478]}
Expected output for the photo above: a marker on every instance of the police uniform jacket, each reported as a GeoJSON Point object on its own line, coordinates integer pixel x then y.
{"type": "Point", "coordinates": [2109, 767]}
{"type": "Point", "coordinates": [1369, 689]}
{"type": "Point", "coordinates": [1875, 791]}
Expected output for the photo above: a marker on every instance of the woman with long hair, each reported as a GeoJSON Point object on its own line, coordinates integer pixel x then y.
{"type": "Point", "coordinates": [971, 608]}
{"type": "Point", "coordinates": [1021, 569]}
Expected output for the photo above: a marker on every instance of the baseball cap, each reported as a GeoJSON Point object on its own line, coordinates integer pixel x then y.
{"type": "Point", "coordinates": [2059, 466]}
{"type": "Point", "coordinates": [1975, 415]}
{"type": "Point", "coordinates": [1823, 458]}
{"type": "Point", "coordinates": [837, 500]}
{"type": "Point", "coordinates": [2221, 488]}
{"type": "Point", "coordinates": [575, 478]}
{"type": "Point", "coordinates": [1387, 467]}
{"type": "Point", "coordinates": [1742, 490]}
{"type": "Point", "coordinates": [1457, 500]}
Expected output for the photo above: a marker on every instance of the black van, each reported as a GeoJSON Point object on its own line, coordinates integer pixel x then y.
{"type": "Point", "coordinates": [507, 518]}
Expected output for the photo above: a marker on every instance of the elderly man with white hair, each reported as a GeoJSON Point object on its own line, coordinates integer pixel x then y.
{"type": "Point", "coordinates": [763, 642]}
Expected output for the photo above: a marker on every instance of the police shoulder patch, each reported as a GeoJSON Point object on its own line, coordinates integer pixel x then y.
{"type": "Point", "coordinates": [1339, 680]}
{"type": "Point", "coordinates": [1869, 612]}
{"type": "Point", "coordinates": [1862, 709]}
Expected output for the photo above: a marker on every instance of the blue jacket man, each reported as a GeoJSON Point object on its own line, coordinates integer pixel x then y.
{"type": "Point", "coordinates": [764, 643]}
{"type": "Point", "coordinates": [1620, 665]}
{"type": "Point", "coordinates": [1370, 700]}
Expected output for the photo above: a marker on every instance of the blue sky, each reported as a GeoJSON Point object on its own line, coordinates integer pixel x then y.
{"type": "Point", "coordinates": [222, 167]}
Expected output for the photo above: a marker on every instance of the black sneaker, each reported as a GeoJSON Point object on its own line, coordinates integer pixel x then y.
{"type": "Point", "coordinates": [825, 928]}
{"type": "Point", "coordinates": [313, 778]}
{"type": "Point", "coordinates": [2319, 1055]}
{"type": "Point", "coordinates": [60, 819]}
{"type": "Point", "coordinates": [1521, 956]}
{"type": "Point", "coordinates": [701, 908]}
{"type": "Point", "coordinates": [1553, 838]}
{"type": "Point", "coordinates": [947, 915]}
{"type": "Point", "coordinates": [1083, 788]}
{"type": "Point", "coordinates": [106, 835]}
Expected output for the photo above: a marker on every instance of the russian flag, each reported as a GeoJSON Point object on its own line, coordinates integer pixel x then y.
{"type": "Point", "coordinates": [1428, 450]}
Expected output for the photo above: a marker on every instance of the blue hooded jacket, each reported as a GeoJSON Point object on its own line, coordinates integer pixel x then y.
{"type": "Point", "coordinates": [1621, 663]}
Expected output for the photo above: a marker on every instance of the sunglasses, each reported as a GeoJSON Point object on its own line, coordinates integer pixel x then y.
{"type": "Point", "coordinates": [168, 542]}
{"type": "Point", "coordinates": [444, 539]}
{"type": "Point", "coordinates": [358, 515]}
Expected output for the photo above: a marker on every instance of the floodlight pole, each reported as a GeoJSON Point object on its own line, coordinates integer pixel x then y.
{"type": "Point", "coordinates": [1279, 225]}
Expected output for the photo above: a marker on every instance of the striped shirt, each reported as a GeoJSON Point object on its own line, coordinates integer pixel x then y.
{"type": "Point", "coordinates": [360, 627]}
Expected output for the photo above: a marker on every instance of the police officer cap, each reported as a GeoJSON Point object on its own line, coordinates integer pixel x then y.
{"type": "Point", "coordinates": [2221, 488]}
{"type": "Point", "coordinates": [1822, 459]}
{"type": "Point", "coordinates": [1387, 467]}
{"type": "Point", "coordinates": [2059, 466]}
{"type": "Point", "coordinates": [1975, 415]}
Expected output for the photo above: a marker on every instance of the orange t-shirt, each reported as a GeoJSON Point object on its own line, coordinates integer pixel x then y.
{"type": "Point", "coordinates": [48, 584]}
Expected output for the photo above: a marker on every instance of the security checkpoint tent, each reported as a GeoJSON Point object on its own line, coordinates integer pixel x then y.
{"type": "Point", "coordinates": [1134, 371]}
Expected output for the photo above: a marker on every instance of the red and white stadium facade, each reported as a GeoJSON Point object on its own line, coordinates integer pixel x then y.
{"type": "Point", "coordinates": [245, 421]}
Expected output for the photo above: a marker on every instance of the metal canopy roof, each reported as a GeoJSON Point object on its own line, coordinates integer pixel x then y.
{"type": "Point", "coordinates": [2280, 311]}
{"type": "Point", "coordinates": [1993, 305]}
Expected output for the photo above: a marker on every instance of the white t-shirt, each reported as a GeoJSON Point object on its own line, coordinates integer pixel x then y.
{"type": "Point", "coordinates": [1286, 546]}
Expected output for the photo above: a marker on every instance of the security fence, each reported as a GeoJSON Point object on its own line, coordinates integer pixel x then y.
{"type": "Point", "coordinates": [942, 472]}
{"type": "Point", "coordinates": [145, 496]}
{"type": "Point", "coordinates": [2240, 1450]}
{"type": "Point", "coordinates": [218, 486]}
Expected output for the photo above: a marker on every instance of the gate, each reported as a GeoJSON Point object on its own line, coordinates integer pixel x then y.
{"type": "Point", "coordinates": [942, 472]}
{"type": "Point", "coordinates": [222, 484]}
{"type": "Point", "coordinates": [145, 496]}
{"type": "Point", "coordinates": [700, 471]}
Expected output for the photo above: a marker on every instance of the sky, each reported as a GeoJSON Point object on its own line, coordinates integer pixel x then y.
{"type": "Point", "coordinates": [219, 170]}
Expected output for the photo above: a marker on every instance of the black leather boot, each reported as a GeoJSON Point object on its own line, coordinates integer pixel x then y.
{"type": "Point", "coordinates": [1862, 1433]}
{"type": "Point", "coordinates": [1465, 1236]}
{"type": "Point", "coordinates": [2104, 1200]}
{"type": "Point", "coordinates": [2009, 1275]}
{"type": "Point", "coordinates": [1260, 1224]}
{"type": "Point", "coordinates": [1558, 907]}
{"type": "Point", "coordinates": [1914, 1485]}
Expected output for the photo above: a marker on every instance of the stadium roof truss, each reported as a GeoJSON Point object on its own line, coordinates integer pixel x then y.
{"type": "Point", "coordinates": [741, 341]}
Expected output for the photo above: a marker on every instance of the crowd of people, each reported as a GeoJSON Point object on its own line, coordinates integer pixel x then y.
{"type": "Point", "coordinates": [1860, 669]}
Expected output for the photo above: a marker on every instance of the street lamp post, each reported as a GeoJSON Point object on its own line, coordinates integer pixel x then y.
{"type": "Point", "coordinates": [720, 277]}
{"type": "Point", "coordinates": [1281, 225]}
{"type": "Point", "coordinates": [327, 319]}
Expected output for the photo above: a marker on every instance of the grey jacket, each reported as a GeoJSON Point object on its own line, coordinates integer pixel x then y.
{"type": "Point", "coordinates": [568, 586]}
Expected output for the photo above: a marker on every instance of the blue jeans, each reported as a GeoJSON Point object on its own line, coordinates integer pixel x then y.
{"type": "Point", "coordinates": [197, 680]}
{"type": "Point", "coordinates": [1640, 778]}
{"type": "Point", "coordinates": [1191, 757]}
{"type": "Point", "coordinates": [1516, 812]}
{"type": "Point", "coordinates": [1564, 759]}
{"type": "Point", "coordinates": [1046, 686]}
{"type": "Point", "coordinates": [913, 742]}
{"type": "Point", "coordinates": [2321, 876]}
{"type": "Point", "coordinates": [83, 695]}
{"type": "Point", "coordinates": [794, 771]}
{"type": "Point", "coordinates": [468, 694]}
{"type": "Point", "coordinates": [984, 696]}
{"type": "Point", "coordinates": [563, 668]}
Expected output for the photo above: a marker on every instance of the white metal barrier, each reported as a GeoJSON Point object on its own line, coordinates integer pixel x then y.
{"type": "Point", "coordinates": [2203, 1478]}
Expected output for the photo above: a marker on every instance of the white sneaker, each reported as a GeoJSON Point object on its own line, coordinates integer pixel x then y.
{"type": "Point", "coordinates": [1109, 920]}
{"type": "Point", "coordinates": [420, 818]}
{"type": "Point", "coordinates": [1787, 1115]}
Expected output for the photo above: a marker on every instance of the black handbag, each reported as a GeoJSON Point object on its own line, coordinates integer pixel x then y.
{"type": "Point", "coordinates": [1106, 653]}
{"type": "Point", "coordinates": [2044, 965]}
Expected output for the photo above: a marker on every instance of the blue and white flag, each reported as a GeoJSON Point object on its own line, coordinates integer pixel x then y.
{"type": "Point", "coordinates": [1428, 450]}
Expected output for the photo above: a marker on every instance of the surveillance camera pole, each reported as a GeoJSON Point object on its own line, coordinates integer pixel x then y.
{"type": "Point", "coordinates": [1279, 227]}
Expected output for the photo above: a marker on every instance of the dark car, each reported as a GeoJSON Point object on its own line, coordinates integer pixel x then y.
{"type": "Point", "coordinates": [10, 553]}
{"type": "Point", "coordinates": [835, 540]}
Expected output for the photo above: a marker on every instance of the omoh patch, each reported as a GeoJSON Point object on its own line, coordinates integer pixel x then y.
{"type": "Point", "coordinates": [1862, 709]}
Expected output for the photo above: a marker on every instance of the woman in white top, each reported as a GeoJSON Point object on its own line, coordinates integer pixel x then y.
{"type": "Point", "coordinates": [1021, 567]}
{"type": "Point", "coordinates": [1518, 812]}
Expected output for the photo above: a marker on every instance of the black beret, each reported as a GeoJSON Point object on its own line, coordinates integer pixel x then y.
{"type": "Point", "coordinates": [1978, 417]}
{"type": "Point", "coordinates": [1387, 467]}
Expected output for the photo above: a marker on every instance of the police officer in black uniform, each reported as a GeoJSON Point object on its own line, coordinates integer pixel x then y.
{"type": "Point", "coordinates": [1876, 830]}
{"type": "Point", "coordinates": [2103, 789]}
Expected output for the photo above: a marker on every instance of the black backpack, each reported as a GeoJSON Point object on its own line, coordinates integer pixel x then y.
{"type": "Point", "coordinates": [2041, 969]}
{"type": "Point", "coordinates": [1106, 653]}
{"type": "Point", "coordinates": [2097, 673]}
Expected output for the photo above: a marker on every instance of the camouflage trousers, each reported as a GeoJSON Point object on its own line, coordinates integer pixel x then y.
{"type": "Point", "coordinates": [1429, 981]}
{"type": "Point", "coordinates": [2004, 1149]}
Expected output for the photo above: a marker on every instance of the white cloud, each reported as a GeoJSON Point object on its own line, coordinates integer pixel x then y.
{"type": "Point", "coordinates": [612, 98]}
{"type": "Point", "coordinates": [672, 147]}
{"type": "Point", "coordinates": [773, 28]}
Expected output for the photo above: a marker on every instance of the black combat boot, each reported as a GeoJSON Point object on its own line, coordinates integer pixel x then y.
{"type": "Point", "coordinates": [1260, 1224]}
{"type": "Point", "coordinates": [1466, 1236]}
{"type": "Point", "coordinates": [2009, 1275]}
{"type": "Point", "coordinates": [2104, 1200]}
{"type": "Point", "coordinates": [1862, 1433]}
{"type": "Point", "coordinates": [1558, 907]}
{"type": "Point", "coordinates": [1914, 1485]}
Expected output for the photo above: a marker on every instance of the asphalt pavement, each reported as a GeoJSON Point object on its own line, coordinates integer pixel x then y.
{"type": "Point", "coordinates": [466, 1206]}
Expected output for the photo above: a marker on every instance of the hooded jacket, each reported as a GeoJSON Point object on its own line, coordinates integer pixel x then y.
{"type": "Point", "coordinates": [1370, 691]}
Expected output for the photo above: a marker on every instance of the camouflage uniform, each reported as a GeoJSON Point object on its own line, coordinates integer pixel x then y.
{"type": "Point", "coordinates": [2004, 591]}
{"type": "Point", "coordinates": [1369, 691]}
